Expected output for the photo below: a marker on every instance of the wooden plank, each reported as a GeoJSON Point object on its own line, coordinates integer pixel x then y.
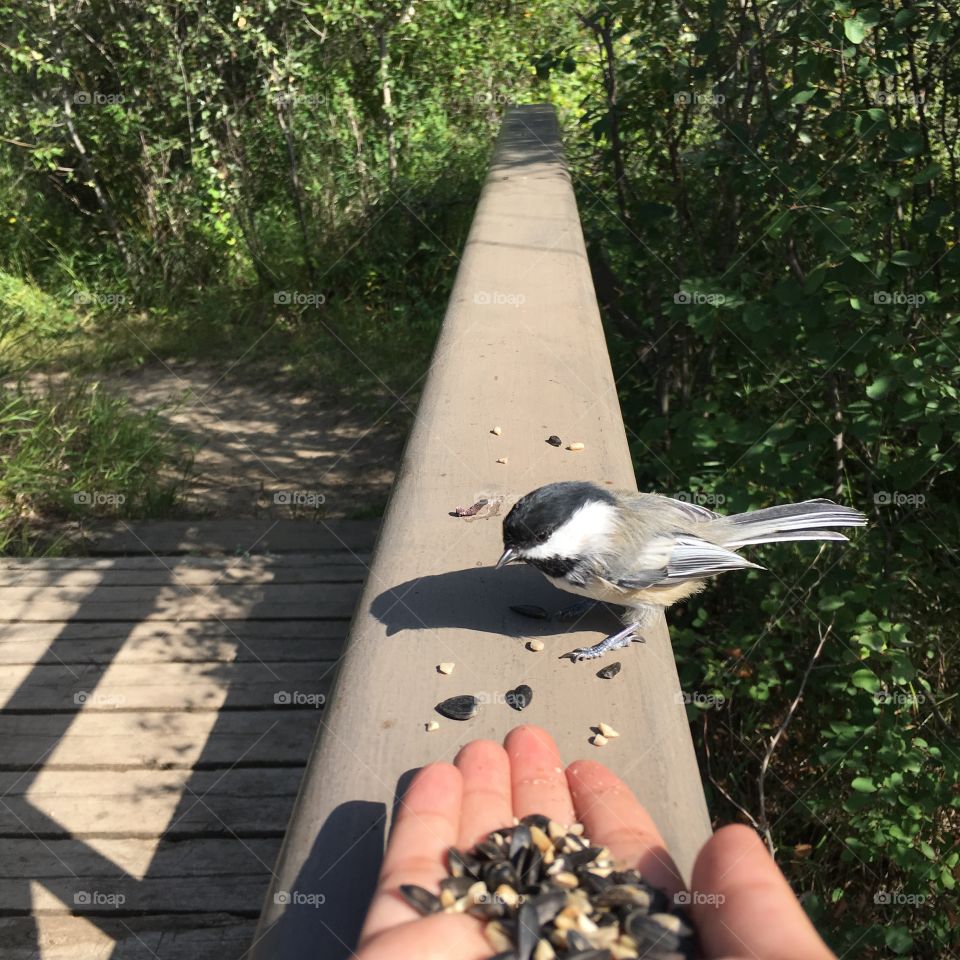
{"type": "Point", "coordinates": [148, 803]}
{"type": "Point", "coordinates": [186, 630]}
{"type": "Point", "coordinates": [153, 649]}
{"type": "Point", "coordinates": [171, 686]}
{"type": "Point", "coordinates": [277, 561]}
{"type": "Point", "coordinates": [256, 601]}
{"type": "Point", "coordinates": [155, 739]}
{"type": "Point", "coordinates": [210, 937]}
{"type": "Point", "coordinates": [231, 536]}
{"type": "Point", "coordinates": [177, 574]}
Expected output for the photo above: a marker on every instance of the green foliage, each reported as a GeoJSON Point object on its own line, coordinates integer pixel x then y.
{"type": "Point", "coordinates": [774, 230]}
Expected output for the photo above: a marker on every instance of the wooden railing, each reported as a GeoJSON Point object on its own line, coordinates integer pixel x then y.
{"type": "Point", "coordinates": [521, 348]}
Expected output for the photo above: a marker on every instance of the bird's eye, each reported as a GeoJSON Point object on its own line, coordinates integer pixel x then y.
{"type": "Point", "coordinates": [543, 536]}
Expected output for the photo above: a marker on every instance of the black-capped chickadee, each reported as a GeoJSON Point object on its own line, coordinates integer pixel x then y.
{"type": "Point", "coordinates": [644, 551]}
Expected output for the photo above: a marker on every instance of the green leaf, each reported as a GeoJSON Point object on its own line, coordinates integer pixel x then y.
{"type": "Point", "coordinates": [928, 174]}
{"type": "Point", "coordinates": [905, 258]}
{"type": "Point", "coordinates": [863, 785]}
{"type": "Point", "coordinates": [905, 17]}
{"type": "Point", "coordinates": [879, 387]}
{"type": "Point", "coordinates": [855, 29]}
{"type": "Point", "coordinates": [898, 939]}
{"type": "Point", "coordinates": [804, 96]}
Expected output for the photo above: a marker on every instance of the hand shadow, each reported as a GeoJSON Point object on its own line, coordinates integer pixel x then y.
{"type": "Point", "coordinates": [480, 598]}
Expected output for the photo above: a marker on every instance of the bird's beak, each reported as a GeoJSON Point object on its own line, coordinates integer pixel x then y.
{"type": "Point", "coordinates": [508, 555]}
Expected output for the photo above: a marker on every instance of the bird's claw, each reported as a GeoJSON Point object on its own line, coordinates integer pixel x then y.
{"type": "Point", "coordinates": [614, 642]}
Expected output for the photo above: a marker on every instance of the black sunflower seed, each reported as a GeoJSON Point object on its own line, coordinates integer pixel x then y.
{"type": "Point", "coordinates": [423, 901]}
{"type": "Point", "coordinates": [529, 610]}
{"type": "Point", "coordinates": [536, 820]}
{"type": "Point", "coordinates": [520, 839]}
{"type": "Point", "coordinates": [459, 708]}
{"type": "Point", "coordinates": [609, 671]}
{"type": "Point", "coordinates": [577, 941]}
{"type": "Point", "coordinates": [489, 850]}
{"type": "Point", "coordinates": [651, 935]}
{"type": "Point", "coordinates": [461, 864]}
{"type": "Point", "coordinates": [520, 697]}
{"type": "Point", "coordinates": [580, 858]}
{"type": "Point", "coordinates": [530, 872]}
{"type": "Point", "coordinates": [498, 872]}
{"type": "Point", "coordinates": [554, 440]}
{"type": "Point", "coordinates": [548, 905]}
{"type": "Point", "coordinates": [528, 931]}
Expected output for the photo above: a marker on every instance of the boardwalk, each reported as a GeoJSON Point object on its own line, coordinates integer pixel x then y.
{"type": "Point", "coordinates": [158, 709]}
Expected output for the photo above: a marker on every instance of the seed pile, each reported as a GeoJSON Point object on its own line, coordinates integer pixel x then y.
{"type": "Point", "coordinates": [546, 893]}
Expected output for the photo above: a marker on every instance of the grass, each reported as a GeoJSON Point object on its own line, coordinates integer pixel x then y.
{"type": "Point", "coordinates": [78, 454]}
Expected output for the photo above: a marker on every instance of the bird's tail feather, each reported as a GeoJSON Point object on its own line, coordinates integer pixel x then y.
{"type": "Point", "coordinates": [789, 521]}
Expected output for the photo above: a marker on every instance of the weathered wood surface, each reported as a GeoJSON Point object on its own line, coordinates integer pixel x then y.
{"type": "Point", "coordinates": [156, 713]}
{"type": "Point", "coordinates": [522, 348]}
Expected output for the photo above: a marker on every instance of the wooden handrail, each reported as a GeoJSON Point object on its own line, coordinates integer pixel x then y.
{"type": "Point", "coordinates": [521, 348]}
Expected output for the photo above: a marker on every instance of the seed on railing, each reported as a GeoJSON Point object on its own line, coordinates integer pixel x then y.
{"type": "Point", "coordinates": [599, 740]}
{"type": "Point", "coordinates": [607, 730]}
{"type": "Point", "coordinates": [459, 708]}
{"type": "Point", "coordinates": [520, 697]}
{"type": "Point", "coordinates": [446, 667]}
{"type": "Point", "coordinates": [496, 431]}
{"type": "Point", "coordinates": [609, 671]}
{"type": "Point", "coordinates": [529, 610]}
{"type": "Point", "coordinates": [432, 725]}
{"type": "Point", "coordinates": [575, 446]}
{"type": "Point", "coordinates": [554, 440]}
{"type": "Point", "coordinates": [469, 511]}
{"type": "Point", "coordinates": [501, 459]}
{"type": "Point", "coordinates": [536, 645]}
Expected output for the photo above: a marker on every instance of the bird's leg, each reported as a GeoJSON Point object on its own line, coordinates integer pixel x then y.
{"type": "Point", "coordinates": [575, 610]}
{"type": "Point", "coordinates": [616, 640]}
{"type": "Point", "coordinates": [637, 617]}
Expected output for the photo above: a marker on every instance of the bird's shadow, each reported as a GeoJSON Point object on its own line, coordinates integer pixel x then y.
{"type": "Point", "coordinates": [480, 598]}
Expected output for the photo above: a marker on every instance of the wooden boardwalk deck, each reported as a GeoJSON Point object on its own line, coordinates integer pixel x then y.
{"type": "Point", "coordinates": [158, 708]}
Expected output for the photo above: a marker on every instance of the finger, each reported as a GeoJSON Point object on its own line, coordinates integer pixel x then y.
{"type": "Point", "coordinates": [427, 823]}
{"type": "Point", "coordinates": [536, 773]}
{"type": "Point", "coordinates": [487, 803]}
{"type": "Point", "coordinates": [443, 936]}
{"type": "Point", "coordinates": [613, 816]}
{"type": "Point", "coordinates": [743, 906]}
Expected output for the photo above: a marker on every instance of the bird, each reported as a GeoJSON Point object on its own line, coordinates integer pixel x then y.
{"type": "Point", "coordinates": [645, 551]}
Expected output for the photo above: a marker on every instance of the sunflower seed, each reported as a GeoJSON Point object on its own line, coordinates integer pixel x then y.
{"type": "Point", "coordinates": [520, 839]}
{"type": "Point", "coordinates": [607, 730]}
{"type": "Point", "coordinates": [498, 938]}
{"type": "Point", "coordinates": [446, 667]}
{"type": "Point", "coordinates": [609, 671]}
{"type": "Point", "coordinates": [519, 698]}
{"type": "Point", "coordinates": [536, 645]}
{"type": "Point", "coordinates": [528, 931]}
{"type": "Point", "coordinates": [459, 708]}
{"type": "Point", "coordinates": [554, 441]}
{"type": "Point", "coordinates": [599, 740]}
{"type": "Point", "coordinates": [423, 901]}
{"type": "Point", "coordinates": [575, 446]}
{"type": "Point", "coordinates": [501, 460]}
{"type": "Point", "coordinates": [432, 725]}
{"type": "Point", "coordinates": [531, 611]}
{"type": "Point", "coordinates": [496, 431]}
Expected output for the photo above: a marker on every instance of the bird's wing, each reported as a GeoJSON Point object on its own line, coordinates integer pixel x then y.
{"type": "Point", "coordinates": [688, 558]}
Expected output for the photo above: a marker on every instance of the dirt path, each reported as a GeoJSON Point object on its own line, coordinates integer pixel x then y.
{"type": "Point", "coordinates": [253, 441]}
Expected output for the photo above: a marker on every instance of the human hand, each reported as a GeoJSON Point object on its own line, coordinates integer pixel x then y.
{"type": "Point", "coordinates": [742, 907]}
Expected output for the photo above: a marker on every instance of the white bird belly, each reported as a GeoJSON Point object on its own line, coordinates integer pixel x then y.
{"type": "Point", "coordinates": [596, 590]}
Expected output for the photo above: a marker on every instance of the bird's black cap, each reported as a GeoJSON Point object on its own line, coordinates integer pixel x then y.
{"type": "Point", "coordinates": [537, 515]}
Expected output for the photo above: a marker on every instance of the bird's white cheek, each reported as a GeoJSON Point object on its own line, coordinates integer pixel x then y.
{"type": "Point", "coordinates": [585, 534]}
